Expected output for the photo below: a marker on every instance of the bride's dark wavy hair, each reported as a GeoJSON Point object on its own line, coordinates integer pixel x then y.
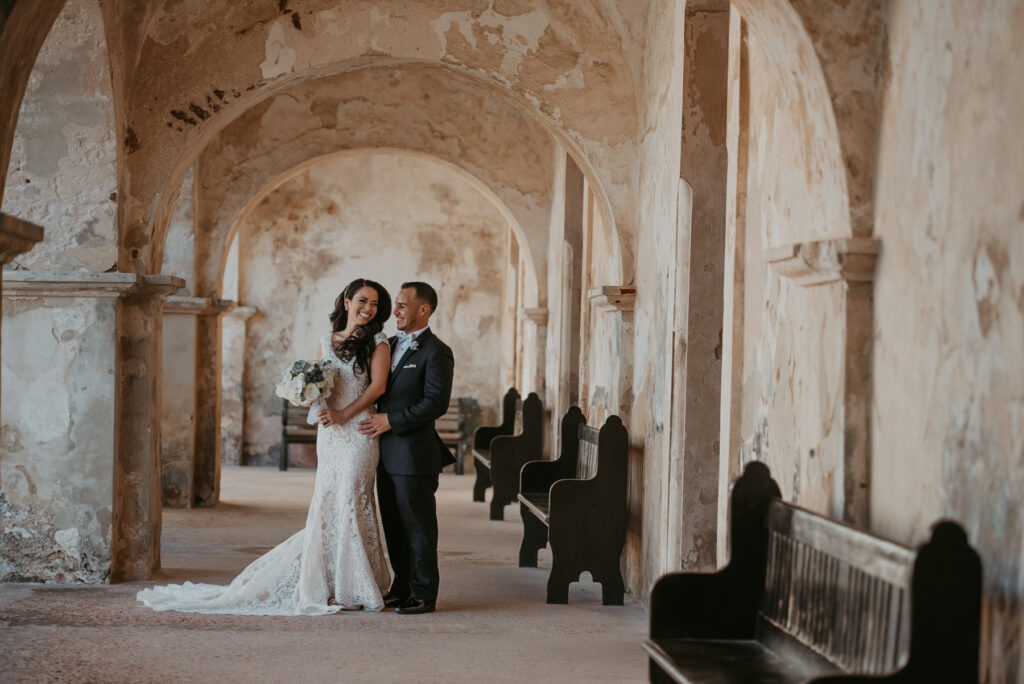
{"type": "Point", "coordinates": [359, 346]}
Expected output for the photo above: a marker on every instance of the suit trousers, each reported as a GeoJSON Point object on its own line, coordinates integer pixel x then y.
{"type": "Point", "coordinates": [408, 512]}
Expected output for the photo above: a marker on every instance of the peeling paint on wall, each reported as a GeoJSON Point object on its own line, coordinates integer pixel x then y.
{"type": "Point", "coordinates": [387, 217]}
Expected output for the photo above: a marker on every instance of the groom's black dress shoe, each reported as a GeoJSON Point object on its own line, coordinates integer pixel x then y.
{"type": "Point", "coordinates": [392, 601]}
{"type": "Point", "coordinates": [415, 606]}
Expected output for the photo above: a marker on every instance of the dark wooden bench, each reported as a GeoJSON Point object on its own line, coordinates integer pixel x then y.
{"type": "Point", "coordinates": [499, 462]}
{"type": "Point", "coordinates": [294, 429]}
{"type": "Point", "coordinates": [451, 428]}
{"type": "Point", "coordinates": [511, 408]}
{"type": "Point", "coordinates": [806, 599]}
{"type": "Point", "coordinates": [577, 503]}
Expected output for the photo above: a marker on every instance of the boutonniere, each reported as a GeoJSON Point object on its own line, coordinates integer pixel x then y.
{"type": "Point", "coordinates": [414, 346]}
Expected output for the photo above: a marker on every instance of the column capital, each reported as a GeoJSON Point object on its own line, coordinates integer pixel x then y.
{"type": "Point", "coordinates": [17, 236]}
{"type": "Point", "coordinates": [826, 261]}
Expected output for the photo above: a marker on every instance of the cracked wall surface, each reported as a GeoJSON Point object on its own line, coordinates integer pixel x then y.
{"type": "Point", "coordinates": [386, 217]}
{"type": "Point", "coordinates": [948, 420]}
{"type": "Point", "coordinates": [57, 439]}
{"type": "Point", "coordinates": [62, 172]}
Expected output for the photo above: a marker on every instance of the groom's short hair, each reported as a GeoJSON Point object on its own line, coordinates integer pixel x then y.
{"type": "Point", "coordinates": [424, 293]}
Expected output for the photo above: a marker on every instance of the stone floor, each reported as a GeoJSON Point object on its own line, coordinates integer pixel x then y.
{"type": "Point", "coordinates": [492, 624]}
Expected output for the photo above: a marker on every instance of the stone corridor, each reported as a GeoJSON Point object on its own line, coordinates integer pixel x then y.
{"type": "Point", "coordinates": [492, 624]}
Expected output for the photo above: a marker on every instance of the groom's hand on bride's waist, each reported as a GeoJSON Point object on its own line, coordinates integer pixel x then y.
{"type": "Point", "coordinates": [374, 426]}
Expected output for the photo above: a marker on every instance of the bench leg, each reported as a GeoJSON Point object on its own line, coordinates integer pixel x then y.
{"type": "Point", "coordinates": [559, 581]}
{"type": "Point", "coordinates": [483, 481]}
{"type": "Point", "coordinates": [283, 463]}
{"type": "Point", "coordinates": [612, 586]}
{"type": "Point", "coordinates": [535, 538]}
{"type": "Point", "coordinates": [497, 509]}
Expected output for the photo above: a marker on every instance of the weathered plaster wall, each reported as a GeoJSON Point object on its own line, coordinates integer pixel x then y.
{"type": "Point", "coordinates": [62, 172]}
{"type": "Point", "coordinates": [23, 30]}
{"type": "Point", "coordinates": [645, 558]}
{"type": "Point", "coordinates": [948, 424]}
{"type": "Point", "coordinates": [180, 253]}
{"type": "Point", "coordinates": [792, 365]}
{"type": "Point", "coordinates": [387, 217]}
{"type": "Point", "coordinates": [57, 440]}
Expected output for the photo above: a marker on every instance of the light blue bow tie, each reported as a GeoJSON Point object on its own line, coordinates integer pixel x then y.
{"type": "Point", "coordinates": [403, 336]}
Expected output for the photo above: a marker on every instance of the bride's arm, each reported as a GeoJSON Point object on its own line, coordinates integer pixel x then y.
{"type": "Point", "coordinates": [380, 365]}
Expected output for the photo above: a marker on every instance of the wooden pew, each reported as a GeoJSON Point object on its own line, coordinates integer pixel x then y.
{"type": "Point", "coordinates": [451, 429]}
{"type": "Point", "coordinates": [805, 598]}
{"type": "Point", "coordinates": [294, 430]}
{"type": "Point", "coordinates": [577, 502]}
{"type": "Point", "coordinates": [482, 436]}
{"type": "Point", "coordinates": [508, 453]}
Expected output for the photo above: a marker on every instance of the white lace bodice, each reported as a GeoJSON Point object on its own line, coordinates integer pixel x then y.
{"type": "Point", "coordinates": [338, 554]}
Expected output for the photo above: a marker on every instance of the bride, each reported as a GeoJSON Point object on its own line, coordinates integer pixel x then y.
{"type": "Point", "coordinates": [337, 561]}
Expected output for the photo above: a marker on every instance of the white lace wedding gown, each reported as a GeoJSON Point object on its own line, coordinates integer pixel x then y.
{"type": "Point", "coordinates": [338, 554]}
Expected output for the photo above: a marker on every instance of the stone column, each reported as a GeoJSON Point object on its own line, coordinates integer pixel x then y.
{"type": "Point", "coordinates": [697, 357]}
{"type": "Point", "coordinates": [537, 317]}
{"type": "Point", "coordinates": [232, 393]}
{"type": "Point", "coordinates": [137, 507]}
{"type": "Point", "coordinates": [849, 262]}
{"type": "Point", "coordinates": [206, 466]}
{"type": "Point", "coordinates": [16, 237]}
{"type": "Point", "coordinates": [191, 399]}
{"type": "Point", "coordinates": [619, 300]}
{"type": "Point", "coordinates": [79, 464]}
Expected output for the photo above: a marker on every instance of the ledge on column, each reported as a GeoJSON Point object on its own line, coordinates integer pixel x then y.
{"type": "Point", "coordinates": [17, 236]}
{"type": "Point", "coordinates": [22, 284]}
{"type": "Point", "coordinates": [613, 297]}
{"type": "Point", "coordinates": [826, 261]}
{"type": "Point", "coordinates": [242, 312]}
{"type": "Point", "coordinates": [198, 306]}
{"type": "Point", "coordinates": [538, 315]}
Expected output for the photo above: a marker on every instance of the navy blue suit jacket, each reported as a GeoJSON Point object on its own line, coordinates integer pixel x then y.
{"type": "Point", "coordinates": [417, 394]}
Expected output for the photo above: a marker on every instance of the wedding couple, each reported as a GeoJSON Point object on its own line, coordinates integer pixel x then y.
{"type": "Point", "coordinates": [337, 561]}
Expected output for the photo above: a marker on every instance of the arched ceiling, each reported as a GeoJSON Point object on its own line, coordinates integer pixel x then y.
{"type": "Point", "coordinates": [411, 107]}
{"type": "Point", "coordinates": [201, 64]}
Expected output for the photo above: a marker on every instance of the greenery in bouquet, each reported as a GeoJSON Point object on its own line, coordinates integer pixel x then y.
{"type": "Point", "coordinates": [306, 381]}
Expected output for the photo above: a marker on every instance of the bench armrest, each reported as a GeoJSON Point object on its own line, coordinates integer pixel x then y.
{"type": "Point", "coordinates": [720, 605]}
{"type": "Point", "coordinates": [536, 477]}
{"type": "Point", "coordinates": [483, 435]}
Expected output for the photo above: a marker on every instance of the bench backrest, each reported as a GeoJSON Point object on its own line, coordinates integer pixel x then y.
{"type": "Point", "coordinates": [452, 420]}
{"type": "Point", "coordinates": [841, 591]}
{"type": "Point", "coordinates": [296, 415]}
{"type": "Point", "coordinates": [586, 458]}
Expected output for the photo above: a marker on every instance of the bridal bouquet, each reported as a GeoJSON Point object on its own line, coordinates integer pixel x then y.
{"type": "Point", "coordinates": [307, 383]}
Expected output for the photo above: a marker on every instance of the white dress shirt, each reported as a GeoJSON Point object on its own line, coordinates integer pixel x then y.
{"type": "Point", "coordinates": [404, 342]}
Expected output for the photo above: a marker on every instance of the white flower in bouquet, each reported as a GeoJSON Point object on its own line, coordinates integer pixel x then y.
{"type": "Point", "coordinates": [306, 381]}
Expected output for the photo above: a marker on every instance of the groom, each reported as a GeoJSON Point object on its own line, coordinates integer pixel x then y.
{"type": "Point", "coordinates": [411, 452]}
